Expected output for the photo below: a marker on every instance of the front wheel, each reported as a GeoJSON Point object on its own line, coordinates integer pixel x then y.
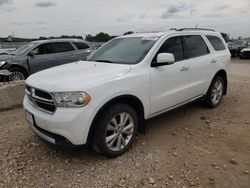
{"type": "Point", "coordinates": [17, 74]}
{"type": "Point", "coordinates": [115, 130]}
{"type": "Point", "coordinates": [215, 92]}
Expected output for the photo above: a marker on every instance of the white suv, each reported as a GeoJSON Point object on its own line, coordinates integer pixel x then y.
{"type": "Point", "coordinates": [104, 101]}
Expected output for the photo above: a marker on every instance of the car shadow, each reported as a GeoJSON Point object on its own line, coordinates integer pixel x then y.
{"type": "Point", "coordinates": [167, 118]}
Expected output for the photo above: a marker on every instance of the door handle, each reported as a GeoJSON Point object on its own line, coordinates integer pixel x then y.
{"type": "Point", "coordinates": [52, 58]}
{"type": "Point", "coordinates": [73, 56]}
{"type": "Point", "coordinates": [184, 68]}
{"type": "Point", "coordinates": [213, 61]}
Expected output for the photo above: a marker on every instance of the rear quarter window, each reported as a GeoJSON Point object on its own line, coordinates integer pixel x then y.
{"type": "Point", "coordinates": [216, 43]}
{"type": "Point", "coordinates": [81, 45]}
{"type": "Point", "coordinates": [63, 47]}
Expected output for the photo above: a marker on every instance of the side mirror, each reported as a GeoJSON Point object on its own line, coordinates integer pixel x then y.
{"type": "Point", "coordinates": [165, 59]}
{"type": "Point", "coordinates": [32, 54]}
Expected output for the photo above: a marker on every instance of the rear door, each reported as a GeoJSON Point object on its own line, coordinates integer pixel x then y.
{"type": "Point", "coordinates": [201, 64]}
{"type": "Point", "coordinates": [43, 58]}
{"type": "Point", "coordinates": [170, 83]}
{"type": "Point", "coordinates": [65, 53]}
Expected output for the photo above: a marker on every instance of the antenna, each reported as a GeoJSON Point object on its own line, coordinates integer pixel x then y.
{"type": "Point", "coordinates": [196, 26]}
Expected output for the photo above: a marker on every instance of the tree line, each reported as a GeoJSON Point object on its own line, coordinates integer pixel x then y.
{"type": "Point", "coordinates": [99, 37]}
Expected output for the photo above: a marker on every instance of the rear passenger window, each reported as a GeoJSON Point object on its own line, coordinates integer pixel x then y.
{"type": "Point", "coordinates": [173, 45]}
{"type": "Point", "coordinates": [195, 46]}
{"type": "Point", "coordinates": [81, 45]}
{"type": "Point", "coordinates": [63, 47]}
{"type": "Point", "coordinates": [216, 43]}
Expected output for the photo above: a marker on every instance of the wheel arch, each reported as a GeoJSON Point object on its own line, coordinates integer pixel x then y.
{"type": "Point", "coordinates": [223, 74]}
{"type": "Point", "coordinates": [19, 67]}
{"type": "Point", "coordinates": [131, 100]}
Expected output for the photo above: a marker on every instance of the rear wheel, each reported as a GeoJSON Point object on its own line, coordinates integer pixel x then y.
{"type": "Point", "coordinates": [115, 130]}
{"type": "Point", "coordinates": [215, 92]}
{"type": "Point", "coordinates": [17, 74]}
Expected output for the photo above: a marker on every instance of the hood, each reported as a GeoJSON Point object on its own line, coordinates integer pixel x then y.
{"type": "Point", "coordinates": [78, 76]}
{"type": "Point", "coordinates": [6, 57]}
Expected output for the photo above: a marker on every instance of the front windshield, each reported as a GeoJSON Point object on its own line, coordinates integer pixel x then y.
{"type": "Point", "coordinates": [24, 49]}
{"type": "Point", "coordinates": [130, 50]}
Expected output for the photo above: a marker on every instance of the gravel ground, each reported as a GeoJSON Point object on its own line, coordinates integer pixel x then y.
{"type": "Point", "coordinates": [190, 147]}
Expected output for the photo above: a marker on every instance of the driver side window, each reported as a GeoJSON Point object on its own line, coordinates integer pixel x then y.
{"type": "Point", "coordinates": [173, 45]}
{"type": "Point", "coordinates": [44, 49]}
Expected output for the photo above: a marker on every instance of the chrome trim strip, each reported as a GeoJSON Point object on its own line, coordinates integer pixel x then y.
{"type": "Point", "coordinates": [176, 106]}
{"type": "Point", "coordinates": [42, 99]}
{"type": "Point", "coordinates": [27, 92]}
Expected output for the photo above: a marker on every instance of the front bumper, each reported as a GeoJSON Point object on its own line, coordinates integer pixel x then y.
{"type": "Point", "coordinates": [67, 125]}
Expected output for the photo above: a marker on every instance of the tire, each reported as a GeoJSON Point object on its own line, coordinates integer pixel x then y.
{"type": "Point", "coordinates": [111, 139]}
{"type": "Point", "coordinates": [215, 92]}
{"type": "Point", "coordinates": [17, 74]}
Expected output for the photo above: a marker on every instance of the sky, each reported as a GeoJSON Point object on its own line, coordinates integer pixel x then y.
{"type": "Point", "coordinates": [34, 18]}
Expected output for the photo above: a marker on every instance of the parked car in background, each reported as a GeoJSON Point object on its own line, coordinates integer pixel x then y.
{"type": "Point", "coordinates": [234, 50]}
{"type": "Point", "coordinates": [241, 44]}
{"type": "Point", "coordinates": [98, 44]}
{"type": "Point", "coordinates": [5, 51]}
{"type": "Point", "coordinates": [39, 55]}
{"type": "Point", "coordinates": [245, 53]}
{"type": "Point", "coordinates": [104, 100]}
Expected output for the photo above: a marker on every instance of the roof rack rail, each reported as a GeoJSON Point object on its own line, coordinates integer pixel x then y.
{"type": "Point", "coordinates": [183, 29]}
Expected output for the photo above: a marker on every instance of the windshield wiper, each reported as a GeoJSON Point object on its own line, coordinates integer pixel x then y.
{"type": "Point", "coordinates": [104, 60]}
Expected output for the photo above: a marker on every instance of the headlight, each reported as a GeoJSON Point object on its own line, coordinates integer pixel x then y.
{"type": "Point", "coordinates": [2, 63]}
{"type": "Point", "coordinates": [71, 99]}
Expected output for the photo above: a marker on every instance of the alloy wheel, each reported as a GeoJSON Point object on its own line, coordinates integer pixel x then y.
{"type": "Point", "coordinates": [217, 92]}
{"type": "Point", "coordinates": [16, 75]}
{"type": "Point", "coordinates": [119, 131]}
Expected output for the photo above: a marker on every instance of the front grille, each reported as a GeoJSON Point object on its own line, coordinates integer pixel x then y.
{"type": "Point", "coordinates": [43, 94]}
{"type": "Point", "coordinates": [48, 107]}
{"type": "Point", "coordinates": [28, 88]}
{"type": "Point", "coordinates": [41, 99]}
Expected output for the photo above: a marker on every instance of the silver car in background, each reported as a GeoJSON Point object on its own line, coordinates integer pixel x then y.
{"type": "Point", "coordinates": [39, 55]}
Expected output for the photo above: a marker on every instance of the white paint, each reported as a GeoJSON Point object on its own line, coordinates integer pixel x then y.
{"type": "Point", "coordinates": [158, 88]}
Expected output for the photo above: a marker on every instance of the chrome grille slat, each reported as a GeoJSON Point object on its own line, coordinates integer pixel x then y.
{"type": "Point", "coordinates": [42, 99]}
{"type": "Point", "coordinates": [44, 104]}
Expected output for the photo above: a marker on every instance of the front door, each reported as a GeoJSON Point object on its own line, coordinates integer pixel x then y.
{"type": "Point", "coordinates": [43, 57]}
{"type": "Point", "coordinates": [170, 83]}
